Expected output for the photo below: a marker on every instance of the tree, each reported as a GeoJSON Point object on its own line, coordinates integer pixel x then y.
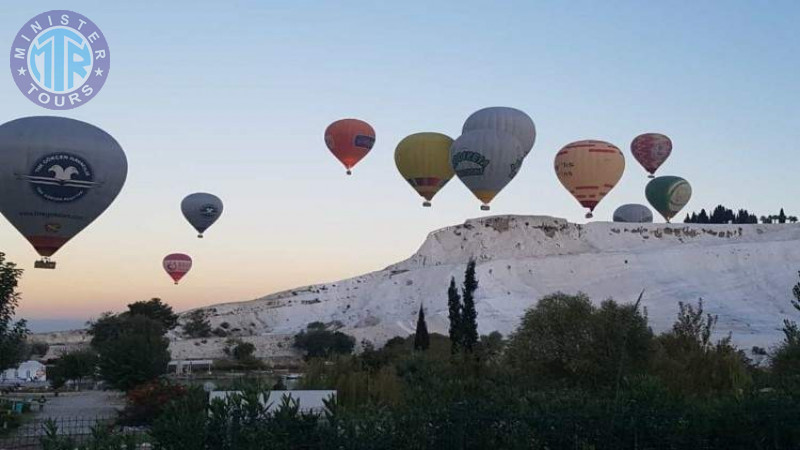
{"type": "Point", "coordinates": [74, 365]}
{"type": "Point", "coordinates": [139, 353]}
{"type": "Point", "coordinates": [197, 325]}
{"type": "Point", "coordinates": [243, 351]}
{"type": "Point", "coordinates": [782, 217]}
{"type": "Point", "coordinates": [156, 310]}
{"type": "Point", "coordinates": [687, 360]}
{"type": "Point", "coordinates": [12, 334]}
{"type": "Point", "coordinates": [38, 348]}
{"type": "Point", "coordinates": [785, 359]}
{"type": "Point", "coordinates": [454, 314]}
{"type": "Point", "coordinates": [702, 217]}
{"type": "Point", "coordinates": [317, 341]}
{"type": "Point", "coordinates": [469, 317]}
{"type": "Point", "coordinates": [566, 341]}
{"type": "Point", "coordinates": [421, 338]}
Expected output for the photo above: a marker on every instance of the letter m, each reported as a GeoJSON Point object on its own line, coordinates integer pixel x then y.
{"type": "Point", "coordinates": [19, 53]}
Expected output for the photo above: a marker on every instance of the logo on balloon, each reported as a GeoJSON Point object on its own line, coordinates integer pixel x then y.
{"type": "Point", "coordinates": [60, 59]}
{"type": "Point", "coordinates": [364, 141]}
{"type": "Point", "coordinates": [208, 210]}
{"type": "Point", "coordinates": [467, 163]}
{"type": "Point", "coordinates": [61, 177]}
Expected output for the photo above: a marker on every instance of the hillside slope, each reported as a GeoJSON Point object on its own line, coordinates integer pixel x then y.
{"type": "Point", "coordinates": [744, 273]}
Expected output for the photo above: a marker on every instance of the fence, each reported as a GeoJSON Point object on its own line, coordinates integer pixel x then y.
{"type": "Point", "coordinates": [29, 436]}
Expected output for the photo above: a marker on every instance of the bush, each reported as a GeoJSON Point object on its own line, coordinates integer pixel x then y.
{"type": "Point", "coordinates": [318, 341]}
{"type": "Point", "coordinates": [144, 403]}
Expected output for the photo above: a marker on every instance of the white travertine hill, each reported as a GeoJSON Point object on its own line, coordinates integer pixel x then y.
{"type": "Point", "coordinates": [744, 273]}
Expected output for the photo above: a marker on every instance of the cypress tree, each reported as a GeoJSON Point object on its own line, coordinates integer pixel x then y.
{"type": "Point", "coordinates": [421, 338]}
{"type": "Point", "coordinates": [469, 317]}
{"type": "Point", "coordinates": [454, 314]}
{"type": "Point", "coordinates": [702, 217]}
{"type": "Point", "coordinates": [782, 217]}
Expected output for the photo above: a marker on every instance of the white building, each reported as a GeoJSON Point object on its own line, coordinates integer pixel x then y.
{"type": "Point", "coordinates": [26, 372]}
{"type": "Point", "coordinates": [188, 366]}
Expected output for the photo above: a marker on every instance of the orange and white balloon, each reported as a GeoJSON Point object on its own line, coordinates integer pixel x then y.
{"type": "Point", "coordinates": [589, 170]}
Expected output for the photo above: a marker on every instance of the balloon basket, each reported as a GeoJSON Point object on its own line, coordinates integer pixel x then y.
{"type": "Point", "coordinates": [176, 283]}
{"type": "Point", "coordinates": [651, 176]}
{"type": "Point", "coordinates": [589, 215]}
{"type": "Point", "coordinates": [426, 204]}
{"type": "Point", "coordinates": [200, 236]}
{"type": "Point", "coordinates": [44, 263]}
{"type": "Point", "coordinates": [349, 172]}
{"type": "Point", "coordinates": [484, 207]}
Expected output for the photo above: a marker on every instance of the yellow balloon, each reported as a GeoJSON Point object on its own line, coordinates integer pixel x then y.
{"type": "Point", "coordinates": [589, 170]}
{"type": "Point", "coordinates": [423, 159]}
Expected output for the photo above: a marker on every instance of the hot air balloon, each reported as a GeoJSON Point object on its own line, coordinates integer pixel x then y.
{"type": "Point", "coordinates": [668, 195]}
{"type": "Point", "coordinates": [423, 159]}
{"type": "Point", "coordinates": [486, 161]}
{"type": "Point", "coordinates": [651, 150]}
{"type": "Point", "coordinates": [201, 210]}
{"type": "Point", "coordinates": [177, 265]}
{"type": "Point", "coordinates": [589, 170]}
{"type": "Point", "coordinates": [349, 140]}
{"type": "Point", "coordinates": [505, 120]}
{"type": "Point", "coordinates": [633, 213]}
{"type": "Point", "coordinates": [57, 175]}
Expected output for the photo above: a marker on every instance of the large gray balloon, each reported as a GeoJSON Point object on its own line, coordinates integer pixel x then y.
{"type": "Point", "coordinates": [633, 213]}
{"type": "Point", "coordinates": [201, 210]}
{"type": "Point", "coordinates": [506, 120]}
{"type": "Point", "coordinates": [57, 175]}
{"type": "Point", "coordinates": [486, 161]}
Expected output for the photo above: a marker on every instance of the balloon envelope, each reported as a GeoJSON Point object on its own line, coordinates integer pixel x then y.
{"type": "Point", "coordinates": [177, 265]}
{"type": "Point", "coordinates": [505, 120]}
{"type": "Point", "coordinates": [349, 140]}
{"type": "Point", "coordinates": [668, 195]}
{"type": "Point", "coordinates": [57, 175]}
{"type": "Point", "coordinates": [201, 210]}
{"type": "Point", "coordinates": [423, 160]}
{"type": "Point", "coordinates": [651, 150]}
{"type": "Point", "coordinates": [486, 161]}
{"type": "Point", "coordinates": [633, 213]}
{"type": "Point", "coordinates": [589, 170]}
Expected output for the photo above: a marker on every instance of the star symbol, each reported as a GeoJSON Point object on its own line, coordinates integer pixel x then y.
{"type": "Point", "coordinates": [22, 71]}
{"type": "Point", "coordinates": [99, 72]}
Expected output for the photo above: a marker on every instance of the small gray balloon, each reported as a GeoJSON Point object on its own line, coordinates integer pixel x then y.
{"type": "Point", "coordinates": [201, 210]}
{"type": "Point", "coordinates": [633, 213]}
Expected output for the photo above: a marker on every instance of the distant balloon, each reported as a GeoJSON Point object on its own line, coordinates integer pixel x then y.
{"type": "Point", "coordinates": [177, 265]}
{"type": "Point", "coordinates": [651, 150]}
{"type": "Point", "coordinates": [589, 170]}
{"type": "Point", "coordinates": [349, 140]}
{"type": "Point", "coordinates": [633, 213]}
{"type": "Point", "coordinates": [201, 210]}
{"type": "Point", "coordinates": [423, 159]}
{"type": "Point", "coordinates": [668, 195]}
{"type": "Point", "coordinates": [486, 161]}
{"type": "Point", "coordinates": [57, 175]}
{"type": "Point", "coordinates": [505, 120]}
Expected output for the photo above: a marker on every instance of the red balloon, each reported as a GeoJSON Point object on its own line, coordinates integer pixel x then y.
{"type": "Point", "coordinates": [651, 150]}
{"type": "Point", "coordinates": [177, 265]}
{"type": "Point", "coordinates": [349, 140]}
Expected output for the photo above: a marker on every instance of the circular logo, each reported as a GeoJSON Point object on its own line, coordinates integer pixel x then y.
{"type": "Point", "coordinates": [208, 210]}
{"type": "Point", "coordinates": [61, 177]}
{"type": "Point", "coordinates": [60, 59]}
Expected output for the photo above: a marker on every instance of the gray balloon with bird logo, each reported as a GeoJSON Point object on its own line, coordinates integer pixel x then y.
{"type": "Point", "coordinates": [201, 210]}
{"type": "Point", "coordinates": [57, 175]}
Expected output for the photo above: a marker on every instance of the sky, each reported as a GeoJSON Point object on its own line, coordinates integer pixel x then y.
{"type": "Point", "coordinates": [233, 98]}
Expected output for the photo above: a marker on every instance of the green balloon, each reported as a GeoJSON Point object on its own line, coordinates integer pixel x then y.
{"type": "Point", "coordinates": [668, 195]}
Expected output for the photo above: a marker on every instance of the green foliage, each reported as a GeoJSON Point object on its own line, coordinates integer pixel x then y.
{"type": "Point", "coordinates": [138, 353]}
{"type": "Point", "coordinates": [688, 362]}
{"type": "Point", "coordinates": [566, 341]}
{"type": "Point", "coordinates": [469, 316]}
{"type": "Point", "coordinates": [156, 310]}
{"type": "Point", "coordinates": [102, 437]}
{"type": "Point", "coordinates": [197, 324]}
{"type": "Point", "coordinates": [318, 341]}
{"type": "Point", "coordinates": [75, 365]}
{"type": "Point", "coordinates": [422, 339]}
{"type": "Point", "coordinates": [146, 402]}
{"type": "Point", "coordinates": [12, 334]}
{"type": "Point", "coordinates": [454, 314]}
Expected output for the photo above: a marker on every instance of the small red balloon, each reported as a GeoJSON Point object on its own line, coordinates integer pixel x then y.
{"type": "Point", "coordinates": [177, 265]}
{"type": "Point", "coordinates": [651, 150]}
{"type": "Point", "coordinates": [349, 140]}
